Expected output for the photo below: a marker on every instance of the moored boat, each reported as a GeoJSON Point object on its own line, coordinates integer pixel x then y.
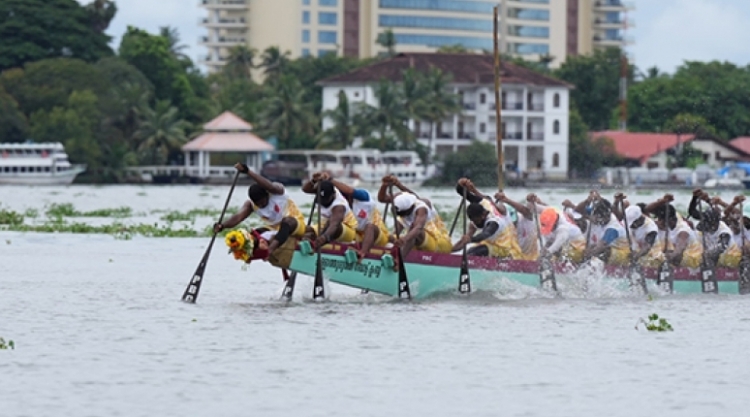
{"type": "Point", "coordinates": [431, 273]}
{"type": "Point", "coordinates": [36, 164]}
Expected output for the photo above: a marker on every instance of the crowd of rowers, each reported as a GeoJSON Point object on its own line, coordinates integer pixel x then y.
{"type": "Point", "coordinates": [616, 232]}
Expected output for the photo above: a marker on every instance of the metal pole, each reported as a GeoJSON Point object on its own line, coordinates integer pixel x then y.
{"type": "Point", "coordinates": [498, 103]}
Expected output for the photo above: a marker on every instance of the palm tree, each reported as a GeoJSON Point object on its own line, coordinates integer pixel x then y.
{"type": "Point", "coordinates": [101, 13]}
{"type": "Point", "coordinates": [274, 62]}
{"type": "Point", "coordinates": [440, 103]}
{"type": "Point", "coordinates": [240, 62]}
{"type": "Point", "coordinates": [160, 132]}
{"type": "Point", "coordinates": [415, 95]}
{"type": "Point", "coordinates": [172, 35]}
{"type": "Point", "coordinates": [341, 135]}
{"type": "Point", "coordinates": [286, 115]}
{"type": "Point", "coordinates": [388, 40]}
{"type": "Point", "coordinates": [389, 116]}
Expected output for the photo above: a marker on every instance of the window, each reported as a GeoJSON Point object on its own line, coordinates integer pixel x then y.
{"type": "Point", "coordinates": [305, 52]}
{"type": "Point", "coordinates": [529, 31]}
{"type": "Point", "coordinates": [502, 130]}
{"type": "Point", "coordinates": [482, 7]}
{"type": "Point", "coordinates": [436, 41]}
{"type": "Point", "coordinates": [460, 129]}
{"type": "Point", "coordinates": [327, 2]}
{"type": "Point", "coordinates": [326, 36]}
{"type": "Point", "coordinates": [482, 98]}
{"type": "Point", "coordinates": [324, 52]}
{"type": "Point", "coordinates": [306, 2]}
{"type": "Point", "coordinates": [482, 127]}
{"type": "Point", "coordinates": [326, 18]}
{"type": "Point", "coordinates": [356, 94]}
{"type": "Point", "coordinates": [306, 17]}
{"type": "Point", "coordinates": [528, 14]}
{"type": "Point", "coordinates": [556, 127]}
{"type": "Point", "coordinates": [528, 48]}
{"type": "Point", "coordinates": [435, 23]}
{"type": "Point", "coordinates": [556, 100]}
{"type": "Point", "coordinates": [305, 36]}
{"type": "Point", "coordinates": [555, 160]}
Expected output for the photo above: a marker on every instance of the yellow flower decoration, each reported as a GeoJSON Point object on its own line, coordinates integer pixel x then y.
{"type": "Point", "coordinates": [240, 244]}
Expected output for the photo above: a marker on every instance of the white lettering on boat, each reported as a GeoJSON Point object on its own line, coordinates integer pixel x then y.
{"type": "Point", "coordinates": [368, 271]}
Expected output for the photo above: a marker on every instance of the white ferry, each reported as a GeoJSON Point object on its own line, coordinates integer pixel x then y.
{"type": "Point", "coordinates": [360, 166]}
{"type": "Point", "coordinates": [36, 164]}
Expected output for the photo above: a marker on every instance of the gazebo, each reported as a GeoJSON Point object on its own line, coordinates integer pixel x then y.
{"type": "Point", "coordinates": [227, 134]}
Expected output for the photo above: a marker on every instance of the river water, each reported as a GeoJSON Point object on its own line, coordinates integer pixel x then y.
{"type": "Point", "coordinates": [99, 331]}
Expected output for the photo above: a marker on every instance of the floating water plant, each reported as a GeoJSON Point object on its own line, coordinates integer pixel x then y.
{"type": "Point", "coordinates": [6, 345]}
{"type": "Point", "coordinates": [10, 217]}
{"type": "Point", "coordinates": [655, 324]}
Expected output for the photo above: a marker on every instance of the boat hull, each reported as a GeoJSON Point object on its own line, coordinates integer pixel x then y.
{"type": "Point", "coordinates": [430, 274]}
{"type": "Point", "coordinates": [62, 178]}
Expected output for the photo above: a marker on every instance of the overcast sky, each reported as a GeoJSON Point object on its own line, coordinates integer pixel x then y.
{"type": "Point", "coordinates": [666, 32]}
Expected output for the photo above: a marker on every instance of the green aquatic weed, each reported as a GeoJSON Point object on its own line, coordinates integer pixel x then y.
{"type": "Point", "coordinates": [655, 324]}
{"type": "Point", "coordinates": [6, 345]}
{"type": "Point", "coordinates": [10, 217]}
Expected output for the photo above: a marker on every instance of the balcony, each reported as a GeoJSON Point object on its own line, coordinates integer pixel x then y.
{"type": "Point", "coordinates": [536, 106]}
{"type": "Point", "coordinates": [511, 106]}
{"type": "Point", "coordinates": [469, 106]}
{"type": "Point", "coordinates": [613, 5]}
{"type": "Point", "coordinates": [536, 136]}
{"type": "Point", "coordinates": [224, 23]}
{"type": "Point", "coordinates": [513, 135]}
{"type": "Point", "coordinates": [612, 40]}
{"type": "Point", "coordinates": [223, 4]}
{"type": "Point", "coordinates": [221, 41]}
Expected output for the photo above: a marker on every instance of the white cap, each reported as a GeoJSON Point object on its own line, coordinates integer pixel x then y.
{"type": "Point", "coordinates": [404, 201]}
{"type": "Point", "coordinates": [633, 213]}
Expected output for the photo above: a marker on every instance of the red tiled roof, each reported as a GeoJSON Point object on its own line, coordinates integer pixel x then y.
{"type": "Point", "coordinates": [228, 142]}
{"type": "Point", "coordinates": [228, 121]}
{"type": "Point", "coordinates": [741, 143]}
{"type": "Point", "coordinates": [641, 146]}
{"type": "Point", "coordinates": [465, 68]}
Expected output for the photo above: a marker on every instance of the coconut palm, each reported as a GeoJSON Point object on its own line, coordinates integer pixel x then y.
{"type": "Point", "coordinates": [387, 40]}
{"type": "Point", "coordinates": [286, 115]}
{"type": "Point", "coordinates": [274, 62]}
{"type": "Point", "coordinates": [440, 102]}
{"type": "Point", "coordinates": [101, 13]}
{"type": "Point", "coordinates": [341, 135]}
{"type": "Point", "coordinates": [415, 95]}
{"type": "Point", "coordinates": [172, 35]}
{"type": "Point", "coordinates": [240, 62]}
{"type": "Point", "coordinates": [388, 118]}
{"type": "Point", "coordinates": [160, 132]}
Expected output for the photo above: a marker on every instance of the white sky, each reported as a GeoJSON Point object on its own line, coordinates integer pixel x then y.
{"type": "Point", "coordinates": [666, 32]}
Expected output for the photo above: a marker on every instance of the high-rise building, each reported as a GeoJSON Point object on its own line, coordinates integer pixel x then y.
{"type": "Point", "coordinates": [529, 28]}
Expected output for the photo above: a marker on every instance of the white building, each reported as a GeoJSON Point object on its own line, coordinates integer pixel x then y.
{"type": "Point", "coordinates": [534, 107]}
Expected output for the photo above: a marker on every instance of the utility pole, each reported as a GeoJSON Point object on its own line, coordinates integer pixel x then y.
{"type": "Point", "coordinates": [498, 103]}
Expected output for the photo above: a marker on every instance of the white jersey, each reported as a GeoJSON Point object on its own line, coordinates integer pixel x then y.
{"type": "Point", "coordinates": [563, 233]}
{"type": "Point", "coordinates": [737, 238]}
{"type": "Point", "coordinates": [338, 201]}
{"type": "Point", "coordinates": [598, 231]}
{"type": "Point", "coordinates": [407, 221]}
{"type": "Point", "coordinates": [275, 210]}
{"type": "Point", "coordinates": [712, 239]}
{"type": "Point", "coordinates": [639, 234]}
{"type": "Point", "coordinates": [526, 234]}
{"type": "Point", "coordinates": [364, 211]}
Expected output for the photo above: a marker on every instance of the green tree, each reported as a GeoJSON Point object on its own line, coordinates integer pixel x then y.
{"type": "Point", "coordinates": [387, 40]}
{"type": "Point", "coordinates": [287, 116]}
{"type": "Point", "coordinates": [597, 81]}
{"type": "Point", "coordinates": [477, 161]}
{"type": "Point", "coordinates": [240, 62]}
{"type": "Point", "coordinates": [161, 133]}
{"type": "Point", "coordinates": [13, 124]}
{"type": "Point", "coordinates": [685, 123]}
{"type": "Point", "coordinates": [31, 30]}
{"type": "Point", "coordinates": [341, 135]}
{"type": "Point", "coordinates": [172, 35]}
{"type": "Point", "coordinates": [586, 154]}
{"type": "Point", "coordinates": [274, 63]}
{"type": "Point", "coordinates": [388, 118]}
{"type": "Point", "coordinates": [440, 102]}
{"type": "Point", "coordinates": [101, 13]}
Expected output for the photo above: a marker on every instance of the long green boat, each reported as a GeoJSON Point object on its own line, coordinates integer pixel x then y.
{"type": "Point", "coordinates": [429, 274]}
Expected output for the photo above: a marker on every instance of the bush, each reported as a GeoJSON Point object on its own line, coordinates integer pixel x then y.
{"type": "Point", "coordinates": [477, 161]}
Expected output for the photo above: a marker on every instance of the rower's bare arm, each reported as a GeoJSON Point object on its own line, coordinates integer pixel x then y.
{"type": "Point", "coordinates": [384, 196]}
{"type": "Point", "coordinates": [245, 211]}
{"type": "Point", "coordinates": [420, 220]}
{"type": "Point", "coordinates": [271, 187]}
{"type": "Point", "coordinates": [658, 203]}
{"type": "Point", "coordinates": [337, 216]}
{"type": "Point", "coordinates": [345, 189]}
{"type": "Point", "coordinates": [523, 209]}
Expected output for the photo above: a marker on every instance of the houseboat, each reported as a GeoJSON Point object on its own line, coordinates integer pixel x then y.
{"type": "Point", "coordinates": [36, 164]}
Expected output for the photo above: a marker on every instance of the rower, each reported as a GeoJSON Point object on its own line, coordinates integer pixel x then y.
{"type": "Point", "coordinates": [735, 219]}
{"type": "Point", "coordinates": [371, 230]}
{"type": "Point", "coordinates": [425, 228]}
{"type": "Point", "coordinates": [563, 238]}
{"type": "Point", "coordinates": [496, 239]}
{"type": "Point", "coordinates": [686, 249]}
{"type": "Point", "coordinates": [643, 232]}
{"type": "Point", "coordinates": [525, 227]}
{"type": "Point", "coordinates": [273, 204]}
{"type": "Point", "coordinates": [340, 224]}
{"type": "Point", "coordinates": [720, 250]}
{"type": "Point", "coordinates": [608, 237]}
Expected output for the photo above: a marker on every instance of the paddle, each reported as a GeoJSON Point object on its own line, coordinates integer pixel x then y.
{"type": "Point", "coordinates": [318, 289]}
{"type": "Point", "coordinates": [292, 279]}
{"type": "Point", "coordinates": [455, 219]}
{"type": "Point", "coordinates": [744, 279]}
{"type": "Point", "coordinates": [464, 281]}
{"type": "Point", "coordinates": [194, 286]}
{"type": "Point", "coordinates": [709, 284]}
{"type": "Point", "coordinates": [634, 272]}
{"type": "Point", "coordinates": [385, 217]}
{"type": "Point", "coordinates": [403, 283]}
{"type": "Point", "coordinates": [546, 271]}
{"type": "Point", "coordinates": [665, 278]}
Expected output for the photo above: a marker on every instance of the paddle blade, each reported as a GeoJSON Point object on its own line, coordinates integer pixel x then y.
{"type": "Point", "coordinates": [318, 289]}
{"type": "Point", "coordinates": [194, 286]}
{"type": "Point", "coordinates": [665, 279]}
{"type": "Point", "coordinates": [464, 281]}
{"type": "Point", "coordinates": [404, 292]}
{"type": "Point", "coordinates": [636, 278]}
{"type": "Point", "coordinates": [289, 287]}
{"type": "Point", "coordinates": [744, 279]}
{"type": "Point", "coordinates": [547, 278]}
{"type": "Point", "coordinates": [709, 284]}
